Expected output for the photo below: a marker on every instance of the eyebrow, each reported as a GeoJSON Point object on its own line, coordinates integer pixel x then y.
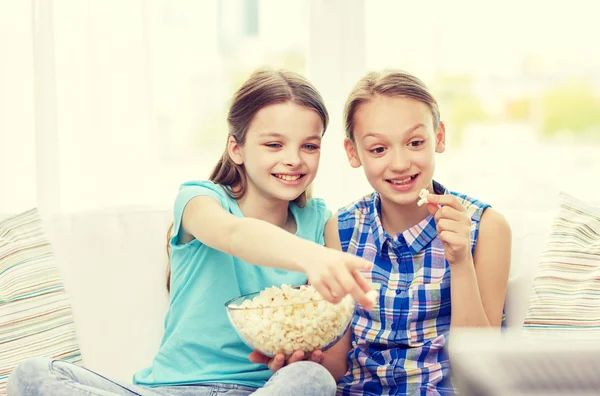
{"type": "Point", "coordinates": [281, 136]}
{"type": "Point", "coordinates": [409, 130]}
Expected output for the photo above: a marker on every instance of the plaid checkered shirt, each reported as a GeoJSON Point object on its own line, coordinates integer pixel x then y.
{"type": "Point", "coordinates": [398, 348]}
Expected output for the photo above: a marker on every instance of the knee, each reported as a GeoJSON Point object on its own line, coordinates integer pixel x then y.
{"type": "Point", "coordinates": [22, 380]}
{"type": "Point", "coordinates": [316, 379]}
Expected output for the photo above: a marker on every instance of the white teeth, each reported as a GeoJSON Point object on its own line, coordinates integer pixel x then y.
{"type": "Point", "coordinates": [402, 181]}
{"type": "Point", "coordinates": [288, 177]}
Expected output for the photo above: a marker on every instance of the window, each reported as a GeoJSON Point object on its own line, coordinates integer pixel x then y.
{"type": "Point", "coordinates": [518, 85]}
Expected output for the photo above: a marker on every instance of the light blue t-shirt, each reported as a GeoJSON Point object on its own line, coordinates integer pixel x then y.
{"type": "Point", "coordinates": [199, 344]}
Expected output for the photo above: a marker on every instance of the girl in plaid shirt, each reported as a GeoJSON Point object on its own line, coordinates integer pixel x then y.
{"type": "Point", "coordinates": [437, 267]}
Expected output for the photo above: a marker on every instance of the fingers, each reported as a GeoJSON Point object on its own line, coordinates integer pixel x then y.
{"type": "Point", "coordinates": [347, 279]}
{"type": "Point", "coordinates": [329, 287]}
{"type": "Point", "coordinates": [363, 283]}
{"type": "Point", "coordinates": [276, 363]}
{"type": "Point", "coordinates": [454, 240]}
{"type": "Point", "coordinates": [448, 212]}
{"type": "Point", "coordinates": [446, 200]}
{"type": "Point", "coordinates": [338, 280]}
{"type": "Point", "coordinates": [257, 357]}
{"type": "Point", "coordinates": [432, 208]}
{"type": "Point", "coordinates": [316, 356]}
{"type": "Point", "coordinates": [325, 291]}
{"type": "Point", "coordinates": [448, 225]}
{"type": "Point", "coordinates": [297, 356]}
{"type": "Point", "coordinates": [357, 263]}
{"type": "Point", "coordinates": [337, 288]}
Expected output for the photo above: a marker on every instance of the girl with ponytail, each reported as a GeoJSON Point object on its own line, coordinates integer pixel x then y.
{"type": "Point", "coordinates": [250, 226]}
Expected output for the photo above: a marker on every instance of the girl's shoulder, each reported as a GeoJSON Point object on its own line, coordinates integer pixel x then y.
{"type": "Point", "coordinates": [474, 206]}
{"type": "Point", "coordinates": [194, 188]}
{"type": "Point", "coordinates": [311, 219]}
{"type": "Point", "coordinates": [314, 207]}
{"type": "Point", "coordinates": [205, 187]}
{"type": "Point", "coordinates": [203, 184]}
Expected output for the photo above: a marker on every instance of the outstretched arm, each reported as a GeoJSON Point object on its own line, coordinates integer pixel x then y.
{"type": "Point", "coordinates": [258, 242]}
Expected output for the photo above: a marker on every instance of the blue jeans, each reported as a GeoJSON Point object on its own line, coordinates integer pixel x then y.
{"type": "Point", "coordinates": [41, 376]}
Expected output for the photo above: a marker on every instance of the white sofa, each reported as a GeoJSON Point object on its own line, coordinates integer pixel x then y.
{"type": "Point", "coordinates": [113, 265]}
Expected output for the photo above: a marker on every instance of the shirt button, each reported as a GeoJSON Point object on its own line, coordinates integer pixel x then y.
{"type": "Point", "coordinates": [398, 291]}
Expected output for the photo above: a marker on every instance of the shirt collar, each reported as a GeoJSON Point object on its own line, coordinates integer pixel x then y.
{"type": "Point", "coordinates": [416, 237]}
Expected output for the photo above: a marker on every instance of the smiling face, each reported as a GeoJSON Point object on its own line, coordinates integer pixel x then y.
{"type": "Point", "coordinates": [395, 142]}
{"type": "Point", "coordinates": [281, 151]}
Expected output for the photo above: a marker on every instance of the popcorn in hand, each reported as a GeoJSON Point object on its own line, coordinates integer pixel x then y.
{"type": "Point", "coordinates": [423, 197]}
{"type": "Point", "coordinates": [288, 319]}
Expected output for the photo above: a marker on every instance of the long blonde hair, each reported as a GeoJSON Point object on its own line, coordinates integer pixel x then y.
{"type": "Point", "coordinates": [263, 88]}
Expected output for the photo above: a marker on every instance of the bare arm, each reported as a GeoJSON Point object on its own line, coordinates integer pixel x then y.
{"type": "Point", "coordinates": [250, 239]}
{"type": "Point", "coordinates": [479, 287]}
{"type": "Point", "coordinates": [258, 242]}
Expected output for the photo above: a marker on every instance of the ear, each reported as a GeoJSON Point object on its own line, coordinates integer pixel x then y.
{"type": "Point", "coordinates": [352, 154]}
{"type": "Point", "coordinates": [235, 151]}
{"type": "Point", "coordinates": [440, 139]}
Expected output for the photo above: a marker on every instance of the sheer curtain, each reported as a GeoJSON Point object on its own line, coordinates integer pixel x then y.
{"type": "Point", "coordinates": [112, 103]}
{"type": "Point", "coordinates": [115, 103]}
{"type": "Point", "coordinates": [17, 126]}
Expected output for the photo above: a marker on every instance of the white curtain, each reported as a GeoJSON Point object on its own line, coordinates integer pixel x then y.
{"type": "Point", "coordinates": [115, 103]}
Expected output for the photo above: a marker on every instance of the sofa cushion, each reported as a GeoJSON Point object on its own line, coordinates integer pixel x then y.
{"type": "Point", "coordinates": [113, 263]}
{"type": "Point", "coordinates": [35, 314]}
{"type": "Point", "coordinates": [566, 283]}
{"type": "Point", "coordinates": [530, 230]}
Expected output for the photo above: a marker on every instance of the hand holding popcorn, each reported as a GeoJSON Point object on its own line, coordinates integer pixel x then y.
{"type": "Point", "coordinates": [453, 225]}
{"type": "Point", "coordinates": [335, 274]}
{"type": "Point", "coordinates": [278, 361]}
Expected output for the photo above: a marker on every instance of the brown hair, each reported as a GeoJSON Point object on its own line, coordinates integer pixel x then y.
{"type": "Point", "coordinates": [263, 88]}
{"type": "Point", "coordinates": [389, 83]}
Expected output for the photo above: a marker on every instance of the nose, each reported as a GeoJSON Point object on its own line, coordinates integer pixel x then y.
{"type": "Point", "coordinates": [399, 162]}
{"type": "Point", "coordinates": [292, 158]}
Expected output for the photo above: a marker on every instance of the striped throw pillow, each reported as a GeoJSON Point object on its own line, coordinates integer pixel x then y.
{"type": "Point", "coordinates": [35, 314]}
{"type": "Point", "coordinates": [566, 286]}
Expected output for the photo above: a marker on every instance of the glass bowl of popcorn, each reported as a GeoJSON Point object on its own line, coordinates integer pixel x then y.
{"type": "Point", "coordinates": [289, 318]}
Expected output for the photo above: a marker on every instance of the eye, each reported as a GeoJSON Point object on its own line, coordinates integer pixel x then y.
{"type": "Point", "coordinates": [274, 145]}
{"type": "Point", "coordinates": [416, 143]}
{"type": "Point", "coordinates": [310, 147]}
{"type": "Point", "coordinates": [377, 150]}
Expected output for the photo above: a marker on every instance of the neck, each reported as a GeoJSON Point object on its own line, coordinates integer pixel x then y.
{"type": "Point", "coordinates": [397, 218]}
{"type": "Point", "coordinates": [275, 212]}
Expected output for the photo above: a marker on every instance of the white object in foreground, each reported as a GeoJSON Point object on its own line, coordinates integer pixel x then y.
{"type": "Point", "coordinates": [488, 362]}
{"type": "Point", "coordinates": [423, 197]}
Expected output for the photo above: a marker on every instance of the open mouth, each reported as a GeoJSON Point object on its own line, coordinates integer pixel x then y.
{"type": "Point", "coordinates": [402, 181]}
{"type": "Point", "coordinates": [289, 178]}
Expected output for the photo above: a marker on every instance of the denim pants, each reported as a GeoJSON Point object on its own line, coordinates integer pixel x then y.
{"type": "Point", "coordinates": [41, 376]}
